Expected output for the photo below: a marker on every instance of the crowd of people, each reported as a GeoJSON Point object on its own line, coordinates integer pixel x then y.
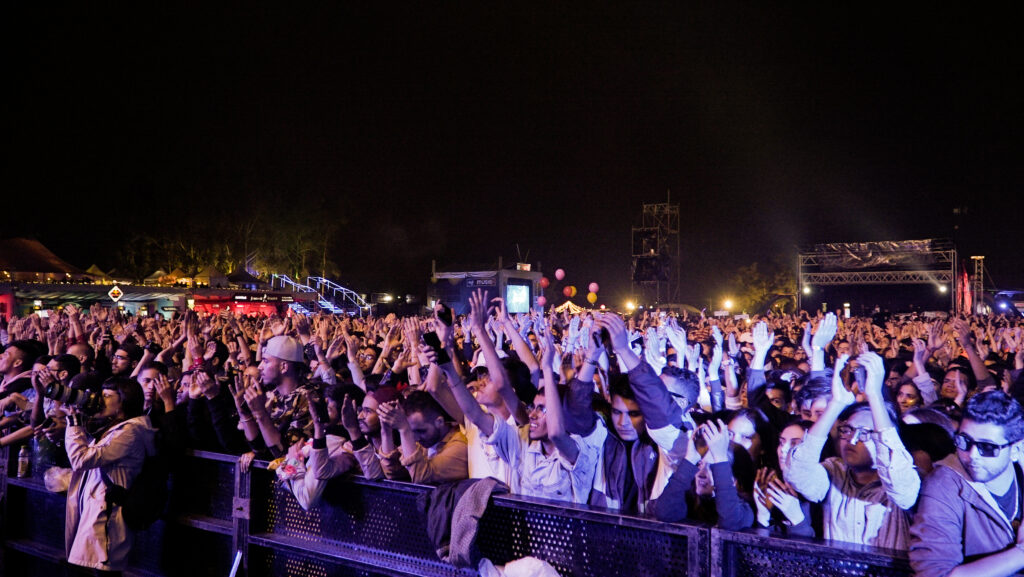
{"type": "Point", "coordinates": [900, 433]}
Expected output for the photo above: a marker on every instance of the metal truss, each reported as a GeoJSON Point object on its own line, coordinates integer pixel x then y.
{"type": "Point", "coordinates": [894, 277]}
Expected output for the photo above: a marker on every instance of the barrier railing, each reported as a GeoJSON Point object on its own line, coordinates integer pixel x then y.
{"type": "Point", "coordinates": [373, 528]}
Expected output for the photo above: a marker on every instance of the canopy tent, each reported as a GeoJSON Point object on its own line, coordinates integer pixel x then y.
{"type": "Point", "coordinates": [23, 259]}
{"type": "Point", "coordinates": [155, 278]}
{"type": "Point", "coordinates": [242, 279]}
{"type": "Point", "coordinates": [211, 277]}
{"type": "Point", "coordinates": [571, 307]}
{"type": "Point", "coordinates": [97, 272]}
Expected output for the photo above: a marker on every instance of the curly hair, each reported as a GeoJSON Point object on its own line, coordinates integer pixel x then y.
{"type": "Point", "coordinates": [997, 408]}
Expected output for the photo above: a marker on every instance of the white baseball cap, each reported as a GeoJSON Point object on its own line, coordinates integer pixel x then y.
{"type": "Point", "coordinates": [285, 348]}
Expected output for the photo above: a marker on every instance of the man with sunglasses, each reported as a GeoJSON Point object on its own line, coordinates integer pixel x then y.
{"type": "Point", "coordinates": [969, 516]}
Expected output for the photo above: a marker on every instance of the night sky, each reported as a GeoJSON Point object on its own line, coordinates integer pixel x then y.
{"type": "Point", "coordinates": [460, 133]}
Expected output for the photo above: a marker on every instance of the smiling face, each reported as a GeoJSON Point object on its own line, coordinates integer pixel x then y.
{"type": "Point", "coordinates": [950, 383]}
{"type": "Point", "coordinates": [538, 420]}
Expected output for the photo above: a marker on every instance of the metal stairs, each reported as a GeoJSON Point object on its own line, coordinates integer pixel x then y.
{"type": "Point", "coordinates": [330, 296]}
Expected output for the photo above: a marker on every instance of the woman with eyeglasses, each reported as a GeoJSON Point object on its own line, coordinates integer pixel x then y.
{"type": "Point", "coordinates": [868, 490]}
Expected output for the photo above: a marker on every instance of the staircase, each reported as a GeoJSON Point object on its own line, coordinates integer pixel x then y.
{"type": "Point", "coordinates": [330, 296]}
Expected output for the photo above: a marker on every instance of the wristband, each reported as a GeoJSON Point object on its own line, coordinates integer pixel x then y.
{"type": "Point", "coordinates": [319, 442]}
{"type": "Point", "coordinates": [75, 420]}
{"type": "Point", "coordinates": [591, 362]}
{"type": "Point", "coordinates": [360, 443]}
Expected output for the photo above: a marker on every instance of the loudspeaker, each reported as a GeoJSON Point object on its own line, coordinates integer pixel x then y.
{"type": "Point", "coordinates": [650, 269]}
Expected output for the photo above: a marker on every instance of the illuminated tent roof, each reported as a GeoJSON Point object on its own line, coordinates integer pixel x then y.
{"type": "Point", "coordinates": [23, 255]}
{"type": "Point", "coordinates": [212, 277]}
{"type": "Point", "coordinates": [155, 277]}
{"type": "Point", "coordinates": [571, 307]}
{"type": "Point", "coordinates": [97, 272]}
{"type": "Point", "coordinates": [242, 278]}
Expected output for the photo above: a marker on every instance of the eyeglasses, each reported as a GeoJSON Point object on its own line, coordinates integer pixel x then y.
{"type": "Point", "coordinates": [366, 357]}
{"type": "Point", "coordinates": [846, 432]}
{"type": "Point", "coordinates": [964, 443]}
{"type": "Point", "coordinates": [531, 408]}
{"type": "Point", "coordinates": [121, 357]}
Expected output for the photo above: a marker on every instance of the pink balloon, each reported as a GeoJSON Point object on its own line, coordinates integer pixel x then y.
{"type": "Point", "coordinates": [593, 287]}
{"type": "Point", "coordinates": [559, 274]}
{"type": "Point", "coordinates": [542, 301]}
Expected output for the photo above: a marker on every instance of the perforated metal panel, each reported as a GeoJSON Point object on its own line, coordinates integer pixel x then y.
{"type": "Point", "coordinates": [270, 563]}
{"type": "Point", "coordinates": [36, 515]}
{"type": "Point", "coordinates": [202, 487]}
{"type": "Point", "coordinates": [577, 545]}
{"type": "Point", "coordinates": [745, 554]}
{"type": "Point", "coordinates": [171, 549]}
{"type": "Point", "coordinates": [367, 523]}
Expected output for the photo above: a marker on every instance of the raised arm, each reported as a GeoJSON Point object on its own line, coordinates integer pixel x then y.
{"type": "Point", "coordinates": [553, 403]}
{"type": "Point", "coordinates": [519, 344]}
{"type": "Point", "coordinates": [827, 329]}
{"type": "Point", "coordinates": [806, 473]}
{"type": "Point", "coordinates": [495, 368]}
{"type": "Point", "coordinates": [964, 337]}
{"type": "Point", "coordinates": [893, 462]}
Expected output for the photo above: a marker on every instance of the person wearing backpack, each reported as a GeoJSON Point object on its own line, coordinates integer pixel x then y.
{"type": "Point", "coordinates": [114, 445]}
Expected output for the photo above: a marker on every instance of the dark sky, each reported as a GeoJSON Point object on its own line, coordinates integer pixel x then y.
{"type": "Point", "coordinates": [460, 133]}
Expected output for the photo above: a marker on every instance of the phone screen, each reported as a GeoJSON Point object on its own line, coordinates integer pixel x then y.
{"type": "Point", "coordinates": [430, 339]}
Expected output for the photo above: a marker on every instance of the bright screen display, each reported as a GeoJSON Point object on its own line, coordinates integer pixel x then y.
{"type": "Point", "coordinates": [517, 298]}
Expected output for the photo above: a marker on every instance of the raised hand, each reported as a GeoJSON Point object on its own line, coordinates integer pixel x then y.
{"type": "Point", "coordinates": [655, 350]}
{"type": "Point", "coordinates": [256, 399]}
{"type": "Point", "coordinates": [478, 311]}
{"type": "Point", "coordinates": [350, 415]}
{"type": "Point", "coordinates": [763, 338]}
{"type": "Point", "coordinates": [392, 415]}
{"type": "Point", "coordinates": [826, 331]}
{"type": "Point", "coordinates": [872, 363]}
{"type": "Point", "coordinates": [676, 336]}
{"type": "Point", "coordinates": [840, 394]}
{"type": "Point", "coordinates": [716, 436]}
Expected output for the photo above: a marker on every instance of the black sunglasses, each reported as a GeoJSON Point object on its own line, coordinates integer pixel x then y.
{"type": "Point", "coordinates": [964, 443]}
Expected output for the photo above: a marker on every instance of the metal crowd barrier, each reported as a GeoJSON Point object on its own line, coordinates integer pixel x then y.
{"type": "Point", "coordinates": [371, 528]}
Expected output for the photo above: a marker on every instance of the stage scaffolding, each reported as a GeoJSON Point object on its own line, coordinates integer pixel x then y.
{"type": "Point", "coordinates": [929, 261]}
